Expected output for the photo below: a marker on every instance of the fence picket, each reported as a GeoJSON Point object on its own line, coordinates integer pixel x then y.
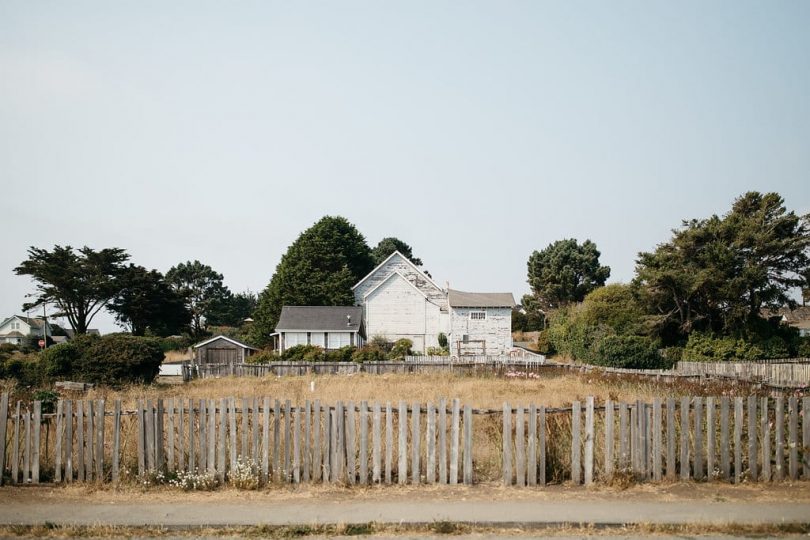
{"type": "Point", "coordinates": [793, 437]}
{"type": "Point", "coordinates": [60, 433]}
{"type": "Point", "coordinates": [100, 409]}
{"type": "Point", "coordinates": [416, 438]}
{"type": "Point", "coordinates": [609, 442]}
{"type": "Point", "coordinates": [779, 443]}
{"type": "Point", "coordinates": [223, 430]}
{"type": "Point", "coordinates": [36, 428]}
{"type": "Point", "coordinates": [589, 413]}
{"type": "Point", "coordinates": [698, 439]}
{"type": "Point", "coordinates": [351, 445]}
{"type": "Point", "coordinates": [376, 444]}
{"type": "Point", "coordinates": [657, 473]}
{"type": "Point", "coordinates": [468, 445]}
{"type": "Point", "coordinates": [671, 471]}
{"type": "Point", "coordinates": [287, 440]}
{"type": "Point", "coordinates": [520, 447]}
{"type": "Point", "coordinates": [3, 432]}
{"type": "Point", "coordinates": [296, 444]}
{"type": "Point", "coordinates": [15, 447]}
{"type": "Point", "coordinates": [116, 452]}
{"type": "Point", "coordinates": [738, 424]}
{"type": "Point", "coordinates": [389, 441]}
{"type": "Point", "coordinates": [430, 441]}
{"type": "Point", "coordinates": [765, 428]}
{"type": "Point", "coordinates": [725, 467]}
{"type": "Point", "coordinates": [531, 457]}
{"type": "Point", "coordinates": [277, 441]}
{"type": "Point", "coordinates": [27, 449]}
{"type": "Point", "coordinates": [806, 437]}
{"type": "Point", "coordinates": [454, 442]}
{"type": "Point", "coordinates": [576, 451]}
{"type": "Point", "coordinates": [710, 438]}
{"type": "Point", "coordinates": [753, 470]}
{"type": "Point", "coordinates": [170, 411]}
{"type": "Point", "coordinates": [442, 441]}
{"type": "Point", "coordinates": [541, 445]}
{"type": "Point", "coordinates": [80, 443]}
{"type": "Point", "coordinates": [159, 455]}
{"type": "Point", "coordinates": [507, 444]}
{"type": "Point", "coordinates": [684, 446]}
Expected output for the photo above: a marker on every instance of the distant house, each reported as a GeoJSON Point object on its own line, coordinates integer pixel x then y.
{"type": "Point", "coordinates": [222, 350]}
{"type": "Point", "coordinates": [329, 327]}
{"type": "Point", "coordinates": [798, 318]}
{"type": "Point", "coordinates": [400, 301]}
{"type": "Point", "coordinates": [16, 328]}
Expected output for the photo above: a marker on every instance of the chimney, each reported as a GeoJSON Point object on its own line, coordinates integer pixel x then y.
{"type": "Point", "coordinates": [348, 320]}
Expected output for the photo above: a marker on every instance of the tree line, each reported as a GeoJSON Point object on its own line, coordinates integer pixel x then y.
{"type": "Point", "coordinates": [711, 292]}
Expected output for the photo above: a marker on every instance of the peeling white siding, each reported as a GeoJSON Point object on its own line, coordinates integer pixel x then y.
{"type": "Point", "coordinates": [495, 330]}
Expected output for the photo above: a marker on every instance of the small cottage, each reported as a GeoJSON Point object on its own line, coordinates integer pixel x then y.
{"type": "Point", "coordinates": [329, 327]}
{"type": "Point", "coordinates": [480, 323]}
{"type": "Point", "coordinates": [16, 328]}
{"type": "Point", "coordinates": [222, 350]}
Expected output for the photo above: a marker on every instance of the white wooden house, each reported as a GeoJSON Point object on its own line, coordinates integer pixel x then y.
{"type": "Point", "coordinates": [400, 301]}
{"type": "Point", "coordinates": [16, 328]}
{"type": "Point", "coordinates": [328, 327]}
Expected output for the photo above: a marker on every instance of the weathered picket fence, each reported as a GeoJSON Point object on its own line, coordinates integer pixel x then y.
{"type": "Point", "coordinates": [729, 439]}
{"type": "Point", "coordinates": [411, 364]}
{"type": "Point", "coordinates": [790, 373]}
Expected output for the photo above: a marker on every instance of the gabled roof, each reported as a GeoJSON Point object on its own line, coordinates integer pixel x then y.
{"type": "Point", "coordinates": [320, 318]}
{"type": "Point", "coordinates": [30, 321]}
{"type": "Point", "coordinates": [470, 299]}
{"type": "Point", "coordinates": [226, 338]}
{"type": "Point", "coordinates": [392, 275]}
{"type": "Point", "coordinates": [404, 258]}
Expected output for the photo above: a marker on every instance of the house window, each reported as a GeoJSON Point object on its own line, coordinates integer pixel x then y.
{"type": "Point", "coordinates": [339, 339]}
{"type": "Point", "coordinates": [478, 315]}
{"type": "Point", "coordinates": [291, 339]}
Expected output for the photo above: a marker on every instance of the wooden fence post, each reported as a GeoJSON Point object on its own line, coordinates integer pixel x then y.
{"type": "Point", "coordinates": [277, 440]}
{"type": "Point", "coordinates": [37, 431]}
{"type": "Point", "coordinates": [389, 441]}
{"type": "Point", "coordinates": [806, 437]}
{"type": "Point", "coordinates": [223, 425]}
{"type": "Point", "coordinates": [576, 451]}
{"type": "Point", "coordinates": [531, 458]}
{"type": "Point", "coordinates": [402, 450]}
{"type": "Point", "coordinates": [520, 446]}
{"type": "Point", "coordinates": [68, 441]}
{"type": "Point", "coordinates": [287, 439]}
{"type": "Point", "coordinates": [100, 418]}
{"type": "Point", "coordinates": [657, 473]}
{"type": "Point", "coordinates": [725, 467]}
{"type": "Point", "coordinates": [15, 448]}
{"type": "Point", "coordinates": [507, 444]}
{"type": "Point", "coordinates": [430, 440]}
{"type": "Point", "coordinates": [454, 441]}
{"type": "Point", "coordinates": [541, 444]}
{"type": "Point", "coordinates": [738, 424]}
{"type": "Point", "coordinates": [753, 471]}
{"type": "Point", "coordinates": [116, 456]}
{"type": "Point", "coordinates": [170, 444]}
{"type": "Point", "coordinates": [266, 439]}
{"type": "Point", "coordinates": [468, 446]}
{"type": "Point", "coordinates": [765, 427]}
{"type": "Point", "coordinates": [442, 441]}
{"type": "Point", "coordinates": [671, 473]}
{"type": "Point", "coordinates": [685, 438]}
{"type": "Point", "coordinates": [779, 443]}
{"type": "Point", "coordinates": [3, 431]}
{"type": "Point", "coordinates": [589, 421]}
{"type": "Point", "coordinates": [698, 423]}
{"type": "Point", "coordinates": [415, 443]}
{"type": "Point", "coordinates": [710, 438]}
{"type": "Point", "coordinates": [57, 454]}
{"type": "Point", "coordinates": [376, 444]}
{"type": "Point", "coordinates": [793, 437]}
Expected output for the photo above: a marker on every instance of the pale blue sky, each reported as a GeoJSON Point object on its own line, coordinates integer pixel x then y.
{"type": "Point", "coordinates": [475, 131]}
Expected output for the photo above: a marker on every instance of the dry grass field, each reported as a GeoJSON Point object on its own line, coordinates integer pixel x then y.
{"type": "Point", "coordinates": [552, 388]}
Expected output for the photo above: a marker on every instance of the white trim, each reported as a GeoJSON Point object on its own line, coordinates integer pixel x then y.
{"type": "Point", "coordinates": [226, 338]}
{"type": "Point", "coordinates": [314, 330]}
{"type": "Point", "coordinates": [407, 260]}
{"type": "Point", "coordinates": [394, 273]}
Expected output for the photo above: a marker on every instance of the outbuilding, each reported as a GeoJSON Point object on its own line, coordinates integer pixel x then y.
{"type": "Point", "coordinates": [222, 350]}
{"type": "Point", "coordinates": [328, 327]}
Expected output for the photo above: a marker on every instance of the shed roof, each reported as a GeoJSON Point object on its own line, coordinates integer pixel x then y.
{"type": "Point", "coordinates": [320, 318]}
{"type": "Point", "coordinates": [471, 299]}
{"type": "Point", "coordinates": [226, 338]}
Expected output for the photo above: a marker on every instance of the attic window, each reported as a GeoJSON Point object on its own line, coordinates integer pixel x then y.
{"type": "Point", "coordinates": [478, 315]}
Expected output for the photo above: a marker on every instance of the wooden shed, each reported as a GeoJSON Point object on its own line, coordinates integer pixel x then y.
{"type": "Point", "coordinates": [222, 350]}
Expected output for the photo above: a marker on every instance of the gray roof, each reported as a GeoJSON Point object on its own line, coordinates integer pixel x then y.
{"type": "Point", "coordinates": [320, 318]}
{"type": "Point", "coordinates": [471, 299]}
{"type": "Point", "coordinates": [226, 338]}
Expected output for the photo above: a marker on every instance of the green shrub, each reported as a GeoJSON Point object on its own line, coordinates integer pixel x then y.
{"type": "Point", "coordinates": [544, 345]}
{"type": "Point", "coordinates": [263, 357]}
{"type": "Point", "coordinates": [442, 340]}
{"type": "Point", "coordinates": [119, 359]}
{"type": "Point", "coordinates": [705, 347]}
{"type": "Point", "coordinates": [633, 352]}
{"type": "Point", "coordinates": [297, 353]}
{"type": "Point", "coordinates": [314, 354]}
{"type": "Point", "coordinates": [401, 348]}
{"type": "Point", "coordinates": [25, 369]}
{"type": "Point", "coordinates": [176, 343]}
{"type": "Point", "coordinates": [438, 351]}
{"type": "Point", "coordinates": [369, 353]}
{"type": "Point", "coordinates": [343, 354]}
{"type": "Point", "coordinates": [60, 360]}
{"type": "Point", "coordinates": [381, 343]}
{"type": "Point", "coordinates": [804, 347]}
